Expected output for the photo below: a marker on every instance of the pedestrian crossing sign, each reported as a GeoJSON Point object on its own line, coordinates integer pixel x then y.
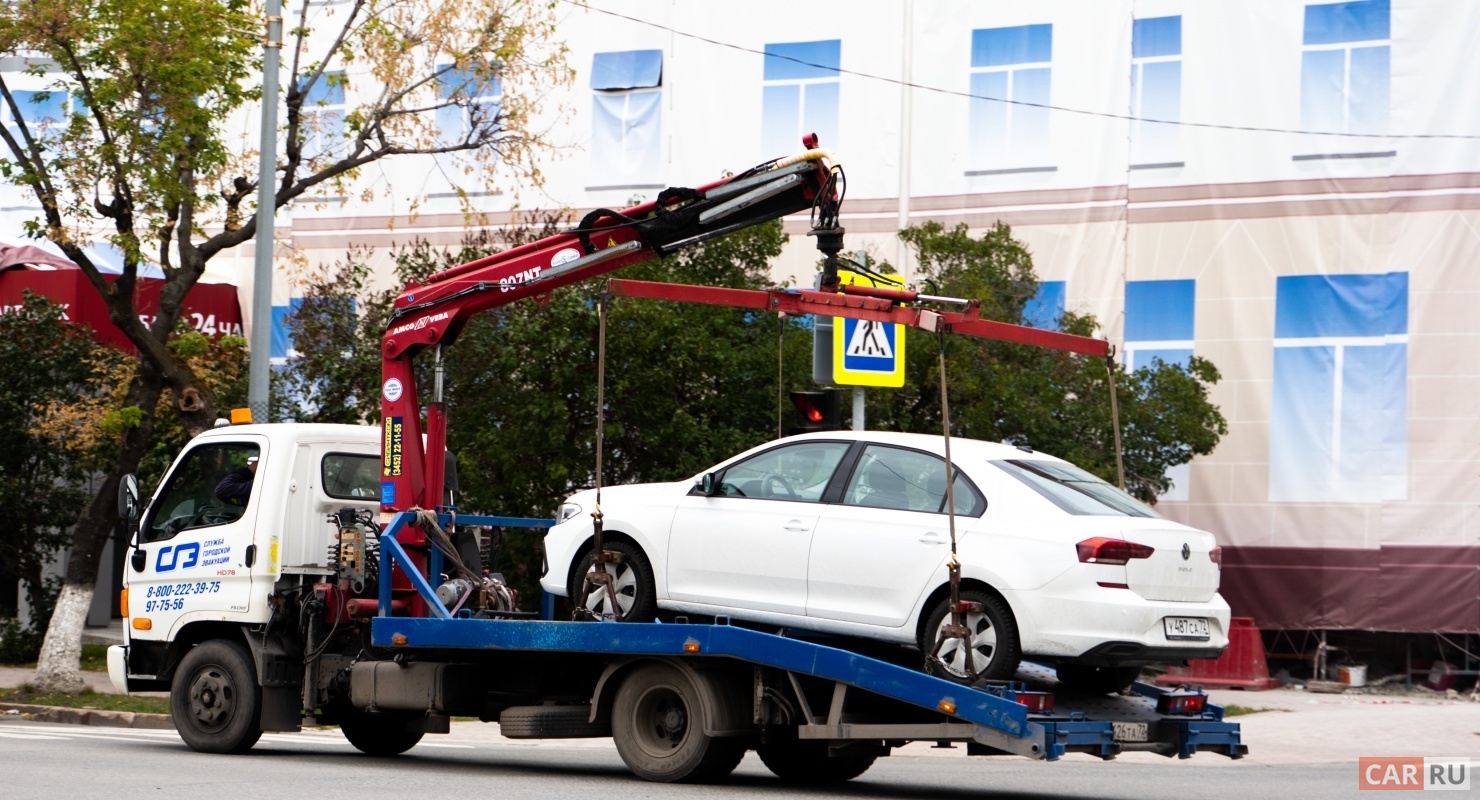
{"type": "Point", "coordinates": [868, 353]}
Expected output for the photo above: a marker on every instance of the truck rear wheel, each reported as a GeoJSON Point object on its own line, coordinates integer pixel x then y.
{"type": "Point", "coordinates": [380, 735]}
{"type": "Point", "coordinates": [658, 725]}
{"type": "Point", "coordinates": [808, 763]}
{"type": "Point", "coordinates": [215, 700]}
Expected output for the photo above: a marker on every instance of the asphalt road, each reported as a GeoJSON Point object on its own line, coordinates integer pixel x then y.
{"type": "Point", "coordinates": [58, 761]}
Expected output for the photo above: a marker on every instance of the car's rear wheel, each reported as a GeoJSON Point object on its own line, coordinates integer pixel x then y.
{"type": "Point", "coordinates": [994, 641]}
{"type": "Point", "coordinates": [1097, 680]}
{"type": "Point", "coordinates": [632, 582]}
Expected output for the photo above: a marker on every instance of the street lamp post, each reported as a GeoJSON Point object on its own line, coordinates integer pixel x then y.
{"type": "Point", "coordinates": [260, 375]}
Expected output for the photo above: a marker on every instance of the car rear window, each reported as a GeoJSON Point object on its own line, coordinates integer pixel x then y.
{"type": "Point", "coordinates": [1074, 490]}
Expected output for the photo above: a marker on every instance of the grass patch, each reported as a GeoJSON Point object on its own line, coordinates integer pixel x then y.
{"type": "Point", "coordinates": [94, 659]}
{"type": "Point", "coordinates": [87, 698]}
{"type": "Point", "coordinates": [1233, 710]}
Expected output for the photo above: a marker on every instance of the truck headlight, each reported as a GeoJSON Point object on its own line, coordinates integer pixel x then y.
{"type": "Point", "coordinates": [567, 510]}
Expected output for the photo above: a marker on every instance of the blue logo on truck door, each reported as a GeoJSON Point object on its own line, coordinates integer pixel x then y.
{"type": "Point", "coordinates": [183, 556]}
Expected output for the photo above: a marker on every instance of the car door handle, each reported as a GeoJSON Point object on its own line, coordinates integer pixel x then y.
{"type": "Point", "coordinates": [933, 538]}
{"type": "Point", "coordinates": [795, 525]}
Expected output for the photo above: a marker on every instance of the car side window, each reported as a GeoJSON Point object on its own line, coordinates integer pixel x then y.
{"type": "Point", "coordinates": [212, 486]}
{"type": "Point", "coordinates": [350, 476]}
{"type": "Point", "coordinates": [791, 472]}
{"type": "Point", "coordinates": [908, 480]}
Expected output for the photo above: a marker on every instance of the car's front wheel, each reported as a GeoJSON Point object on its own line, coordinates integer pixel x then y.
{"type": "Point", "coordinates": [994, 641]}
{"type": "Point", "coordinates": [635, 595]}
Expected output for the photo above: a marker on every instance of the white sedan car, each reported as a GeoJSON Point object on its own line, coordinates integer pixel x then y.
{"type": "Point", "coordinates": [845, 533]}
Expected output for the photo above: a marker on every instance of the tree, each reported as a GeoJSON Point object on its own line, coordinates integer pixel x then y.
{"type": "Point", "coordinates": [1045, 399]}
{"type": "Point", "coordinates": [686, 385]}
{"type": "Point", "coordinates": [142, 156]}
{"type": "Point", "coordinates": [47, 362]}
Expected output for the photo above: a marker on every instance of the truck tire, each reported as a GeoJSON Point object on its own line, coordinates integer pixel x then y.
{"type": "Point", "coordinates": [1097, 680]}
{"type": "Point", "coordinates": [808, 763]}
{"type": "Point", "coordinates": [379, 735]}
{"type": "Point", "coordinates": [215, 700]}
{"type": "Point", "coordinates": [637, 594]}
{"type": "Point", "coordinates": [550, 722]}
{"type": "Point", "coordinates": [658, 726]}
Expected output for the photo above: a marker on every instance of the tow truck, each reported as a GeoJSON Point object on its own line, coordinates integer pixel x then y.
{"type": "Point", "coordinates": [348, 589]}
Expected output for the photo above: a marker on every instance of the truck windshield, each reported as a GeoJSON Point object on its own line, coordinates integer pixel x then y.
{"type": "Point", "coordinates": [1074, 490]}
{"type": "Point", "coordinates": [211, 486]}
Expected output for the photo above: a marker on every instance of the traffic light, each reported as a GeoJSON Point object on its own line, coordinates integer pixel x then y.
{"type": "Point", "coordinates": [819, 411]}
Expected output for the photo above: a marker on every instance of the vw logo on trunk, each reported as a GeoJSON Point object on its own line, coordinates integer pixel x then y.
{"type": "Point", "coordinates": [1186, 551]}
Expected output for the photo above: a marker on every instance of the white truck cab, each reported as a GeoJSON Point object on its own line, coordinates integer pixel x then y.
{"type": "Point", "coordinates": [209, 551]}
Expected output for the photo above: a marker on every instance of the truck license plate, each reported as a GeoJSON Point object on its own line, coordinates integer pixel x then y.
{"type": "Point", "coordinates": [1186, 628]}
{"type": "Point", "coordinates": [1130, 731]}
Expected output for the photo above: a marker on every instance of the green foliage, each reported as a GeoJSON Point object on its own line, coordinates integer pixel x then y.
{"type": "Point", "coordinates": [46, 361]}
{"type": "Point", "coordinates": [1052, 401]}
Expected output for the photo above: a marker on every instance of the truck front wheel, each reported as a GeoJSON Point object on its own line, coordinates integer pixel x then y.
{"type": "Point", "coordinates": [215, 700]}
{"type": "Point", "coordinates": [658, 726]}
{"type": "Point", "coordinates": [378, 734]}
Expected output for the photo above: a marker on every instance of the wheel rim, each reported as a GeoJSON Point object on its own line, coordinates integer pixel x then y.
{"type": "Point", "coordinates": [625, 586]}
{"type": "Point", "coordinates": [983, 645]}
{"type": "Point", "coordinates": [662, 721]}
{"type": "Point", "coordinates": [212, 698]}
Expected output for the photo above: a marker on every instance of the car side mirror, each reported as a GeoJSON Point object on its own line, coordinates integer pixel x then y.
{"type": "Point", "coordinates": [708, 484]}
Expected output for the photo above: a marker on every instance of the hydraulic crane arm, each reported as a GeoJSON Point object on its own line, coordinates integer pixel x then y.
{"type": "Point", "coordinates": [434, 313]}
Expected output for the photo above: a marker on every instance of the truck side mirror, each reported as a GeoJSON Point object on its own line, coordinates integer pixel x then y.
{"type": "Point", "coordinates": [128, 498]}
{"type": "Point", "coordinates": [708, 484]}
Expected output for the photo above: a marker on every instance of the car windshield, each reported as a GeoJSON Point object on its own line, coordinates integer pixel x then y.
{"type": "Point", "coordinates": [1074, 490]}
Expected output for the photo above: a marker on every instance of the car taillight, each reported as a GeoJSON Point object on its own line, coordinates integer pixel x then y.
{"type": "Point", "coordinates": [1216, 555]}
{"type": "Point", "coordinates": [1100, 550]}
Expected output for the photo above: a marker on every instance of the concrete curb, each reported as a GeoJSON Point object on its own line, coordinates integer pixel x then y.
{"type": "Point", "coordinates": [88, 716]}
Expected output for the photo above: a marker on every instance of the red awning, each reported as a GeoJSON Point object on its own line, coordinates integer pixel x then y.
{"type": "Point", "coordinates": [210, 308]}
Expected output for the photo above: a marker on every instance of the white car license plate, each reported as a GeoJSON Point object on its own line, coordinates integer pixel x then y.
{"type": "Point", "coordinates": [1187, 628]}
{"type": "Point", "coordinates": [1130, 731]}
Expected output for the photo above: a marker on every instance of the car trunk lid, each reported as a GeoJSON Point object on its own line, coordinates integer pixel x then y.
{"type": "Point", "coordinates": [1179, 569]}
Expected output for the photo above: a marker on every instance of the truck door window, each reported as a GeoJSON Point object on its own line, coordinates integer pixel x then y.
{"type": "Point", "coordinates": [212, 486]}
{"type": "Point", "coordinates": [351, 476]}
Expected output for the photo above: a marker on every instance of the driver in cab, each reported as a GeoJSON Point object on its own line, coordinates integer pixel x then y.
{"type": "Point", "coordinates": [236, 487]}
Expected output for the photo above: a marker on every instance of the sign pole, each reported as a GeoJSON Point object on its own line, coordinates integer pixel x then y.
{"type": "Point", "coordinates": [259, 375]}
{"type": "Point", "coordinates": [858, 420]}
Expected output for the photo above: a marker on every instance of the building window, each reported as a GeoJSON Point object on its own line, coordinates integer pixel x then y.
{"type": "Point", "coordinates": [1158, 322]}
{"type": "Point", "coordinates": [474, 102]}
{"type": "Point", "coordinates": [40, 110]}
{"type": "Point", "coordinates": [799, 95]}
{"type": "Point", "coordinates": [1338, 423]}
{"type": "Point", "coordinates": [1009, 67]}
{"type": "Point", "coordinates": [1046, 307]}
{"type": "Point", "coordinates": [1159, 317]}
{"type": "Point", "coordinates": [1345, 75]}
{"type": "Point", "coordinates": [323, 114]}
{"type": "Point", "coordinates": [1156, 91]}
{"type": "Point", "coordinates": [627, 117]}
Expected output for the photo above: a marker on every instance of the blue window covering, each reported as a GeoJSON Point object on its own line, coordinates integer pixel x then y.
{"type": "Point", "coordinates": [625, 141]}
{"type": "Point", "coordinates": [453, 121]}
{"type": "Point", "coordinates": [1338, 422]}
{"type": "Point", "coordinates": [323, 104]}
{"type": "Point", "coordinates": [627, 69]}
{"type": "Point", "coordinates": [797, 99]}
{"type": "Point", "coordinates": [1160, 310]}
{"type": "Point", "coordinates": [282, 337]}
{"type": "Point", "coordinates": [41, 107]}
{"type": "Point", "coordinates": [1308, 306]}
{"type": "Point", "coordinates": [1156, 36]}
{"type": "Point", "coordinates": [1362, 21]}
{"type": "Point", "coordinates": [803, 60]}
{"type": "Point", "coordinates": [1345, 89]}
{"type": "Point", "coordinates": [1011, 134]}
{"type": "Point", "coordinates": [1025, 44]}
{"type": "Point", "coordinates": [1045, 308]}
